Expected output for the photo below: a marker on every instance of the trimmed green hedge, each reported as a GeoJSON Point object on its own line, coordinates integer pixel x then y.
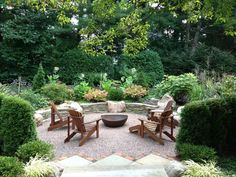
{"type": "Point", "coordinates": [10, 167]}
{"type": "Point", "coordinates": [197, 153]}
{"type": "Point", "coordinates": [35, 148]}
{"type": "Point", "coordinates": [17, 123]}
{"type": "Point", "coordinates": [211, 123]}
{"type": "Point", "coordinates": [76, 61]}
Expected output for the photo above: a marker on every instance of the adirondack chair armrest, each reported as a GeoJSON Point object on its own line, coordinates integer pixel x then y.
{"type": "Point", "coordinates": [147, 121]}
{"type": "Point", "coordinates": [97, 120]}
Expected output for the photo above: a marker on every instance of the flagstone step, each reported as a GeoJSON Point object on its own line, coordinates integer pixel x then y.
{"type": "Point", "coordinates": [115, 166]}
{"type": "Point", "coordinates": [116, 171]}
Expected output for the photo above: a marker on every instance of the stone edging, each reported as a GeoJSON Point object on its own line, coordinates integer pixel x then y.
{"type": "Point", "coordinates": [101, 107]}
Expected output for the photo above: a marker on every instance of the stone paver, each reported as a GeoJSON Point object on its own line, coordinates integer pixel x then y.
{"type": "Point", "coordinates": [113, 160]}
{"type": "Point", "coordinates": [74, 161]}
{"type": "Point", "coordinates": [152, 159]}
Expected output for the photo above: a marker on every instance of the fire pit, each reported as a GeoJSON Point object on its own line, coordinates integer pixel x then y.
{"type": "Point", "coordinates": [114, 120]}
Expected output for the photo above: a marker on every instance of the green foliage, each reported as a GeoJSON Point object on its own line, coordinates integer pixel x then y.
{"type": "Point", "coordinates": [180, 87]}
{"type": "Point", "coordinates": [144, 79]}
{"type": "Point", "coordinates": [197, 153]}
{"type": "Point", "coordinates": [106, 85]}
{"type": "Point", "coordinates": [35, 148]}
{"type": "Point", "coordinates": [135, 92]}
{"type": "Point", "coordinates": [17, 123]}
{"type": "Point", "coordinates": [148, 62]}
{"type": "Point", "coordinates": [4, 89]}
{"type": "Point", "coordinates": [36, 99]}
{"type": "Point", "coordinates": [26, 41]}
{"type": "Point", "coordinates": [96, 95]}
{"type": "Point", "coordinates": [228, 86]}
{"type": "Point", "coordinates": [81, 89]}
{"type": "Point", "coordinates": [54, 78]}
{"type": "Point", "coordinates": [115, 94]}
{"type": "Point", "coordinates": [38, 167]}
{"type": "Point", "coordinates": [207, 169]}
{"type": "Point", "coordinates": [39, 78]}
{"type": "Point", "coordinates": [75, 61]}
{"type": "Point", "coordinates": [56, 92]}
{"type": "Point", "coordinates": [210, 123]}
{"type": "Point", "coordinates": [10, 167]}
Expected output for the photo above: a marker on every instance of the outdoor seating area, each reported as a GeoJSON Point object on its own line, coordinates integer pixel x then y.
{"type": "Point", "coordinates": [114, 127]}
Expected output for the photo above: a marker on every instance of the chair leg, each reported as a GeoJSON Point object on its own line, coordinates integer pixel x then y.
{"type": "Point", "coordinates": [69, 137]}
{"type": "Point", "coordinates": [97, 131]}
{"type": "Point", "coordinates": [153, 136]}
{"type": "Point", "coordinates": [170, 136]}
{"type": "Point", "coordinates": [84, 139]}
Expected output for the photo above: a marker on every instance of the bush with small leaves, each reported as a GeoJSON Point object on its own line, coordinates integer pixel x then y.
{"type": "Point", "coordinates": [17, 123]}
{"type": "Point", "coordinates": [11, 167]}
{"type": "Point", "coordinates": [197, 153]}
{"type": "Point", "coordinates": [115, 94]}
{"type": "Point", "coordinates": [35, 148]}
{"type": "Point", "coordinates": [36, 99]}
{"type": "Point", "coordinates": [56, 92]}
{"type": "Point", "coordinates": [39, 79]}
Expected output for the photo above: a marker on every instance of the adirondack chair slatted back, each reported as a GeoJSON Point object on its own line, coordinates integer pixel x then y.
{"type": "Point", "coordinates": [78, 120]}
{"type": "Point", "coordinates": [169, 105]}
{"type": "Point", "coordinates": [55, 111]}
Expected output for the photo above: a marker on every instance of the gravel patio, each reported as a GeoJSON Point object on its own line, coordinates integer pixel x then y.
{"type": "Point", "coordinates": [111, 140]}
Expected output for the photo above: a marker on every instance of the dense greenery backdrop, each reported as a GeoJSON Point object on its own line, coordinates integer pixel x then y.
{"type": "Point", "coordinates": [186, 35]}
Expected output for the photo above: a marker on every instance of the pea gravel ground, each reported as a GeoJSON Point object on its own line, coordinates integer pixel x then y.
{"type": "Point", "coordinates": [111, 140]}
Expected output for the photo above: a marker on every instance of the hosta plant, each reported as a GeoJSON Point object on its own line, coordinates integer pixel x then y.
{"type": "Point", "coordinates": [135, 92]}
{"type": "Point", "coordinates": [96, 95]}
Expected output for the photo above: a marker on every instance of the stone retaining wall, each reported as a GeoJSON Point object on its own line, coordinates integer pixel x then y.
{"type": "Point", "coordinates": [101, 107]}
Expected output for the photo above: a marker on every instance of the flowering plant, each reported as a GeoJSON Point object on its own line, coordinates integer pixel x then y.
{"type": "Point", "coordinates": [135, 92]}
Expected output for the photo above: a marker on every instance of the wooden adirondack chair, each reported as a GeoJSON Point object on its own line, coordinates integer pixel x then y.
{"type": "Point", "coordinates": [152, 128]}
{"type": "Point", "coordinates": [85, 129]}
{"type": "Point", "coordinates": [62, 121]}
{"type": "Point", "coordinates": [154, 114]}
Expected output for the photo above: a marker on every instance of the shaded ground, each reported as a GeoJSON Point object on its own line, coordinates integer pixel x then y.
{"type": "Point", "coordinates": [111, 140]}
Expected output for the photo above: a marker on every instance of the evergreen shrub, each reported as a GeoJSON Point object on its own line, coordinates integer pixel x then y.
{"type": "Point", "coordinates": [39, 79]}
{"type": "Point", "coordinates": [35, 148]}
{"type": "Point", "coordinates": [17, 123]}
{"type": "Point", "coordinates": [147, 61]}
{"type": "Point", "coordinates": [211, 123]}
{"type": "Point", "coordinates": [75, 61]}
{"type": "Point", "coordinates": [115, 94]}
{"type": "Point", "coordinates": [197, 153]}
{"type": "Point", "coordinates": [10, 167]}
{"type": "Point", "coordinates": [57, 92]}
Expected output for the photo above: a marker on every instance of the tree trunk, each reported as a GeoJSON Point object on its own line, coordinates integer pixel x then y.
{"type": "Point", "coordinates": [187, 36]}
{"type": "Point", "coordinates": [196, 38]}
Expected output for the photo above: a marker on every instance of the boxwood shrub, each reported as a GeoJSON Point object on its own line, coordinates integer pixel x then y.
{"type": "Point", "coordinates": [57, 92]}
{"type": "Point", "coordinates": [17, 123]}
{"type": "Point", "coordinates": [35, 148]}
{"type": "Point", "coordinates": [10, 167]}
{"type": "Point", "coordinates": [211, 123]}
{"type": "Point", "coordinates": [197, 153]}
